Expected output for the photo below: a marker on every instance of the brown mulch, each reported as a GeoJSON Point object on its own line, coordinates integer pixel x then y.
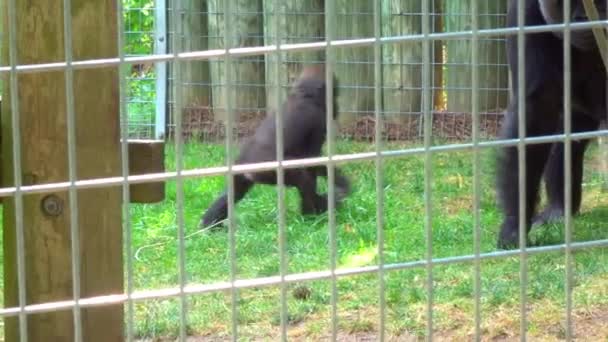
{"type": "Point", "coordinates": [199, 122]}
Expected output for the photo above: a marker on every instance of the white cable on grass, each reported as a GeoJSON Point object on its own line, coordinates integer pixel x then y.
{"type": "Point", "coordinates": [158, 244]}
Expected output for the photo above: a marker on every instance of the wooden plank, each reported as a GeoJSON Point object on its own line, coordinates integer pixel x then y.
{"type": "Point", "coordinates": [43, 122]}
{"type": "Point", "coordinates": [146, 156]}
{"type": "Point", "coordinates": [492, 69]}
{"type": "Point", "coordinates": [402, 63]}
{"type": "Point", "coordinates": [195, 77]}
{"type": "Point", "coordinates": [299, 22]}
{"type": "Point", "coordinates": [249, 80]}
{"type": "Point", "coordinates": [354, 67]}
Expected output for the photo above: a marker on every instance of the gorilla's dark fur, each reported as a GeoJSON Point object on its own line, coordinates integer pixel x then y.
{"type": "Point", "coordinates": [304, 132]}
{"type": "Point", "coordinates": [544, 93]}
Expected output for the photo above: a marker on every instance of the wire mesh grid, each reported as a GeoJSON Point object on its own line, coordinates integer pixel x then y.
{"type": "Point", "coordinates": [303, 22]}
{"type": "Point", "coordinates": [228, 61]}
{"type": "Point", "coordinates": [140, 20]}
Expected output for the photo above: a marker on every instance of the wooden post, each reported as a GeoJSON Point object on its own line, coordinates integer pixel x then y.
{"type": "Point", "coordinates": [146, 156]}
{"type": "Point", "coordinates": [302, 22]}
{"type": "Point", "coordinates": [44, 150]}
{"type": "Point", "coordinates": [402, 63]}
{"type": "Point", "coordinates": [493, 72]}
{"type": "Point", "coordinates": [355, 66]}
{"type": "Point", "coordinates": [249, 82]}
{"type": "Point", "coordinates": [196, 88]}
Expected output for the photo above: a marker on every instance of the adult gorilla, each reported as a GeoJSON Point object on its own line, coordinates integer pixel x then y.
{"type": "Point", "coordinates": [544, 87]}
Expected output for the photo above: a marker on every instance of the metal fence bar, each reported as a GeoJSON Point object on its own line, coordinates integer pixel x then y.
{"type": "Point", "coordinates": [17, 171]}
{"type": "Point", "coordinates": [197, 289]}
{"type": "Point", "coordinates": [280, 173]}
{"type": "Point", "coordinates": [259, 50]}
{"type": "Point", "coordinates": [179, 180]}
{"type": "Point", "coordinates": [330, 31]}
{"type": "Point", "coordinates": [476, 167]}
{"type": "Point", "coordinates": [521, 149]}
{"type": "Point", "coordinates": [72, 163]}
{"type": "Point", "coordinates": [283, 270]}
{"type": "Point", "coordinates": [568, 167]}
{"type": "Point", "coordinates": [379, 166]}
{"type": "Point", "coordinates": [428, 164]}
{"type": "Point", "coordinates": [228, 70]}
{"type": "Point", "coordinates": [124, 158]}
{"type": "Point", "coordinates": [160, 68]}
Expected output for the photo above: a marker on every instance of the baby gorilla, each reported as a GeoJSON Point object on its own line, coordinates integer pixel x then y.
{"type": "Point", "coordinates": [304, 131]}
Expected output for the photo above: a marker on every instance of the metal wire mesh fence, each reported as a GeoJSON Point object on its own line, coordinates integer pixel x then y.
{"type": "Point", "coordinates": [232, 73]}
{"type": "Point", "coordinates": [145, 34]}
{"type": "Point", "coordinates": [303, 22]}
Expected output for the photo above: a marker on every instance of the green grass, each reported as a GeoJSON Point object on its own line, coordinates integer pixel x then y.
{"type": "Point", "coordinates": [308, 249]}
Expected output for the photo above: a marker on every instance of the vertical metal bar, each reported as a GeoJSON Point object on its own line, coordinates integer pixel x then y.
{"type": "Point", "coordinates": [16, 136]}
{"type": "Point", "coordinates": [72, 162]}
{"type": "Point", "coordinates": [379, 164]}
{"type": "Point", "coordinates": [476, 166]}
{"type": "Point", "coordinates": [330, 15]}
{"type": "Point", "coordinates": [179, 154]}
{"type": "Point", "coordinates": [521, 149]}
{"type": "Point", "coordinates": [567, 168]}
{"type": "Point", "coordinates": [428, 162]}
{"type": "Point", "coordinates": [228, 69]}
{"type": "Point", "coordinates": [160, 47]}
{"type": "Point", "coordinates": [124, 158]}
{"type": "Point", "coordinates": [280, 171]}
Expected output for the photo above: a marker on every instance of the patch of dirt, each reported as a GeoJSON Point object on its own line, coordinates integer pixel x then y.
{"type": "Point", "coordinates": [456, 205]}
{"type": "Point", "coordinates": [201, 122]}
{"type": "Point", "coordinates": [589, 326]}
{"type": "Point", "coordinates": [592, 326]}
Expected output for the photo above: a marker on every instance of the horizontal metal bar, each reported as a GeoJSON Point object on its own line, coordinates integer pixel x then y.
{"type": "Point", "coordinates": [260, 50]}
{"type": "Point", "coordinates": [287, 164]}
{"type": "Point", "coordinates": [197, 289]}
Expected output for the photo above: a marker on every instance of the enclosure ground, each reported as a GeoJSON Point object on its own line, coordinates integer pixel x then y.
{"type": "Point", "coordinates": [208, 260]}
{"type": "Point", "coordinates": [588, 325]}
{"type": "Point", "coordinates": [199, 122]}
{"type": "Point", "coordinates": [308, 249]}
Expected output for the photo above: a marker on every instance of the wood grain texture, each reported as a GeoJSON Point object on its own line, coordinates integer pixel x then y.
{"type": "Point", "coordinates": [146, 156]}
{"type": "Point", "coordinates": [43, 123]}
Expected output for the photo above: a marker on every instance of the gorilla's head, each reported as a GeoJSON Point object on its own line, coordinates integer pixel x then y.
{"type": "Point", "coordinates": [311, 83]}
{"type": "Point", "coordinates": [553, 13]}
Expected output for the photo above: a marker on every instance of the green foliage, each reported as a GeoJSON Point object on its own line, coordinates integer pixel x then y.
{"type": "Point", "coordinates": [139, 26]}
{"type": "Point", "coordinates": [141, 90]}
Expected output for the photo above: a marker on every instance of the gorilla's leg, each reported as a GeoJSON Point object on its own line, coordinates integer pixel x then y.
{"type": "Point", "coordinates": [538, 123]}
{"type": "Point", "coordinates": [555, 177]}
{"type": "Point", "coordinates": [342, 185]}
{"type": "Point", "coordinates": [305, 180]}
{"type": "Point", "coordinates": [219, 209]}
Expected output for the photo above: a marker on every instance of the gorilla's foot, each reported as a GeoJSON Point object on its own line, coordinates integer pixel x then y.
{"type": "Point", "coordinates": [550, 214]}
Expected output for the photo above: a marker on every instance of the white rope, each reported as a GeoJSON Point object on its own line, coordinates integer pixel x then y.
{"type": "Point", "coordinates": [158, 244]}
